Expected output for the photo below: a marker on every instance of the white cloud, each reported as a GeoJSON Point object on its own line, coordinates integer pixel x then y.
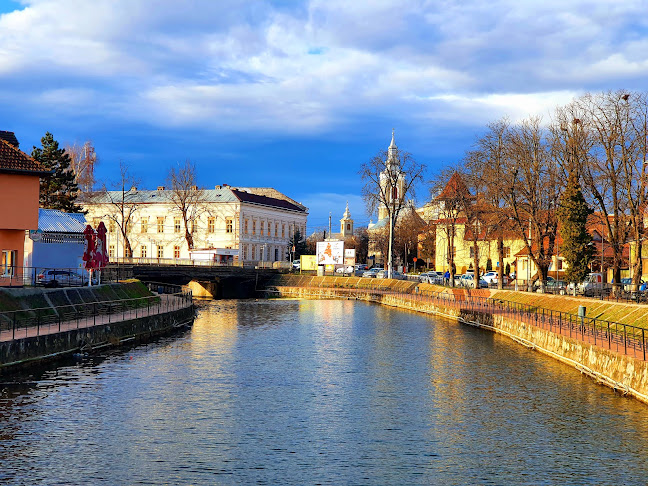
{"type": "Point", "coordinates": [243, 65]}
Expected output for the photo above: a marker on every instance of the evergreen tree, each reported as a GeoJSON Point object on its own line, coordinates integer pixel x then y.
{"type": "Point", "coordinates": [59, 190]}
{"type": "Point", "coordinates": [489, 265]}
{"type": "Point", "coordinates": [299, 245]}
{"type": "Point", "coordinates": [572, 216]}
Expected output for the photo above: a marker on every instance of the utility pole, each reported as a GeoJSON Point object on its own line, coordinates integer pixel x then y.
{"type": "Point", "coordinates": [329, 224]}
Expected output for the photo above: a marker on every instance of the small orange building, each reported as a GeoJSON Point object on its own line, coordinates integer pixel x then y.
{"type": "Point", "coordinates": [19, 191]}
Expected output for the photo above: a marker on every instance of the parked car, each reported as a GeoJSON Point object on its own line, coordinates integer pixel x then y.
{"type": "Point", "coordinates": [346, 269]}
{"type": "Point", "coordinates": [60, 278]}
{"type": "Point", "coordinates": [431, 277]}
{"type": "Point", "coordinates": [490, 277]}
{"type": "Point", "coordinates": [296, 264]}
{"type": "Point", "coordinates": [468, 280]}
{"type": "Point", "coordinates": [395, 275]}
{"type": "Point", "coordinates": [371, 273]}
{"type": "Point", "coordinates": [361, 266]}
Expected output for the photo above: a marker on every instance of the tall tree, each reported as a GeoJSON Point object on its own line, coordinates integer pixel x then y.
{"type": "Point", "coordinates": [83, 161]}
{"type": "Point", "coordinates": [297, 245]}
{"type": "Point", "coordinates": [572, 216]}
{"type": "Point", "coordinates": [187, 198]}
{"type": "Point", "coordinates": [122, 204]}
{"type": "Point", "coordinates": [486, 162]}
{"type": "Point", "coordinates": [389, 178]}
{"type": "Point", "coordinates": [58, 191]}
{"type": "Point", "coordinates": [531, 184]}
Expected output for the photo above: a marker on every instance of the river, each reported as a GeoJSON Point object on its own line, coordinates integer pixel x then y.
{"type": "Point", "coordinates": [319, 392]}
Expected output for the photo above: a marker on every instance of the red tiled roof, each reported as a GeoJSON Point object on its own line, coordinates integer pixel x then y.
{"type": "Point", "coordinates": [453, 188]}
{"type": "Point", "coordinates": [15, 160]}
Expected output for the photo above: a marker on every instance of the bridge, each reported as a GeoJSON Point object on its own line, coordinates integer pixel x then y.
{"type": "Point", "coordinates": [217, 281]}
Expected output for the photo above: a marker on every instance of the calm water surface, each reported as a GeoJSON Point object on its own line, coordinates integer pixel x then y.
{"type": "Point", "coordinates": [320, 392]}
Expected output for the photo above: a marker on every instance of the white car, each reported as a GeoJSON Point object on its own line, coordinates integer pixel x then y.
{"type": "Point", "coordinates": [490, 277]}
{"type": "Point", "coordinates": [348, 269]}
{"type": "Point", "coordinates": [296, 264]}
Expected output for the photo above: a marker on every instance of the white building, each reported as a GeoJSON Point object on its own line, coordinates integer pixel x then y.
{"type": "Point", "coordinates": [228, 224]}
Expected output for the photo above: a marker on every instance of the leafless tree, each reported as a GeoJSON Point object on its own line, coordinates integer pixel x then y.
{"type": "Point", "coordinates": [122, 202]}
{"type": "Point", "coordinates": [83, 161]}
{"type": "Point", "coordinates": [606, 118]}
{"type": "Point", "coordinates": [187, 198]}
{"type": "Point", "coordinates": [532, 185]}
{"type": "Point", "coordinates": [389, 179]}
{"type": "Point", "coordinates": [486, 162]}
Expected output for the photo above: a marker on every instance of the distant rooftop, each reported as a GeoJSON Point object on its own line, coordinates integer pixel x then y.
{"type": "Point", "coordinates": [14, 160]}
{"type": "Point", "coordinates": [9, 137]}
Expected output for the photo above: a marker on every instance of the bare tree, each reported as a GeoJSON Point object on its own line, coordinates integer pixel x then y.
{"type": "Point", "coordinates": [486, 163]}
{"type": "Point", "coordinates": [450, 194]}
{"type": "Point", "coordinates": [531, 185]}
{"type": "Point", "coordinates": [606, 120]}
{"type": "Point", "coordinates": [83, 161]}
{"type": "Point", "coordinates": [389, 179]}
{"type": "Point", "coordinates": [187, 198]}
{"type": "Point", "coordinates": [122, 203]}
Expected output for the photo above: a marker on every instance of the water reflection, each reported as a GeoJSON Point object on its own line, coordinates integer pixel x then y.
{"type": "Point", "coordinates": [330, 392]}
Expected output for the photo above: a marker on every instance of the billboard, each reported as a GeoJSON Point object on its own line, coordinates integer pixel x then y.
{"type": "Point", "coordinates": [330, 252]}
{"type": "Point", "coordinates": [308, 262]}
{"type": "Point", "coordinates": [349, 257]}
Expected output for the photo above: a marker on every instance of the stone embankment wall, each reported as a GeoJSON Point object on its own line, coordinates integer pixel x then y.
{"type": "Point", "coordinates": [623, 373]}
{"type": "Point", "coordinates": [21, 352]}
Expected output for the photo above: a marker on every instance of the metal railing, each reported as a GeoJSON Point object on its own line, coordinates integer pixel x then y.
{"type": "Point", "coordinates": [47, 320]}
{"type": "Point", "coordinates": [22, 276]}
{"type": "Point", "coordinates": [618, 337]}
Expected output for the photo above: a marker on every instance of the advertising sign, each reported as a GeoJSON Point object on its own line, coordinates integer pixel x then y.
{"type": "Point", "coordinates": [308, 262]}
{"type": "Point", "coordinates": [349, 257]}
{"type": "Point", "coordinates": [330, 252]}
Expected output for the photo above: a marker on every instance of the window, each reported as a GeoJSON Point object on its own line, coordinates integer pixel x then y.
{"type": "Point", "coordinates": [507, 252]}
{"type": "Point", "coordinates": [253, 230]}
{"type": "Point", "coordinates": [276, 259]}
{"type": "Point", "coordinates": [560, 264]}
{"type": "Point", "coordinates": [111, 226]}
{"type": "Point", "coordinates": [143, 252]}
{"type": "Point", "coordinates": [276, 229]}
{"type": "Point", "coordinates": [160, 251]}
{"type": "Point", "coordinates": [128, 253]}
{"type": "Point", "coordinates": [111, 251]}
{"type": "Point", "coordinates": [283, 230]}
{"type": "Point", "coordinates": [176, 251]}
{"type": "Point", "coordinates": [211, 225]}
{"type": "Point", "coordinates": [262, 227]}
{"type": "Point", "coordinates": [245, 251]}
{"type": "Point", "coordinates": [8, 262]}
{"type": "Point", "coordinates": [144, 226]}
{"type": "Point", "coordinates": [245, 225]}
{"type": "Point", "coordinates": [228, 225]}
{"type": "Point", "coordinates": [348, 227]}
{"type": "Point", "coordinates": [160, 224]}
{"type": "Point", "coordinates": [176, 225]}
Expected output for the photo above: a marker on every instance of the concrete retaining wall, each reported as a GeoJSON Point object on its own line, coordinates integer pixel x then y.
{"type": "Point", "coordinates": [21, 352]}
{"type": "Point", "coordinates": [620, 372]}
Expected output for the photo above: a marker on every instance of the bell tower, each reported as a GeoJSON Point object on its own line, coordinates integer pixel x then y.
{"type": "Point", "coordinates": [346, 223]}
{"type": "Point", "coordinates": [392, 179]}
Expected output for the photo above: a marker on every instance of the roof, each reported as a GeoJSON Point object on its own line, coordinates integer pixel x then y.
{"type": "Point", "coordinates": [223, 194]}
{"type": "Point", "coordinates": [14, 160]}
{"type": "Point", "coordinates": [270, 192]}
{"type": "Point", "coordinates": [9, 137]}
{"type": "Point", "coordinates": [454, 187]}
{"type": "Point", "coordinates": [266, 201]}
{"type": "Point", "coordinates": [54, 221]}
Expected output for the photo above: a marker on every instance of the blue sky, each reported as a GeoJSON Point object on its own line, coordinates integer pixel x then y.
{"type": "Point", "coordinates": [296, 95]}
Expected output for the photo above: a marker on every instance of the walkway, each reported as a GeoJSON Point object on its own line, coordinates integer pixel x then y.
{"type": "Point", "coordinates": [166, 303]}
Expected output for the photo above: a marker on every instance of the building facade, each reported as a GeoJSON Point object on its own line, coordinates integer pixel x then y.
{"type": "Point", "coordinates": [19, 193]}
{"type": "Point", "coordinates": [228, 225]}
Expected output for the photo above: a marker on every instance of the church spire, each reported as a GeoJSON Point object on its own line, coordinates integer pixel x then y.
{"type": "Point", "coordinates": [392, 151]}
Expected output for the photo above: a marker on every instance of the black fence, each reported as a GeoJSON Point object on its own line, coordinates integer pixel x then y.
{"type": "Point", "coordinates": [618, 337]}
{"type": "Point", "coordinates": [34, 322]}
{"type": "Point", "coordinates": [51, 277]}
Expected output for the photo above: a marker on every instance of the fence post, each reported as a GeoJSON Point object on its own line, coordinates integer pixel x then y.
{"type": "Point", "coordinates": [609, 336]}
{"type": "Point", "coordinates": [643, 342]}
{"type": "Point", "coordinates": [37, 323]}
{"type": "Point", "coordinates": [14, 326]}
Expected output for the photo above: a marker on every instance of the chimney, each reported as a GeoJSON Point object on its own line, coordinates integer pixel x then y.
{"type": "Point", "coordinates": [217, 187]}
{"type": "Point", "coordinates": [160, 188]}
{"type": "Point", "coordinates": [133, 189]}
{"type": "Point", "coordinates": [194, 188]}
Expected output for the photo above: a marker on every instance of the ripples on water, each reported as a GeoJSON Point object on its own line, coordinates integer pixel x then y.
{"type": "Point", "coordinates": [319, 392]}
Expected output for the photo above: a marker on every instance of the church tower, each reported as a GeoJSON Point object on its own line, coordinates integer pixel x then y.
{"type": "Point", "coordinates": [346, 223]}
{"type": "Point", "coordinates": [392, 179]}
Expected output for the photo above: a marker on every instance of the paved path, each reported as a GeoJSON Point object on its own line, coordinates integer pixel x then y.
{"type": "Point", "coordinates": [167, 303]}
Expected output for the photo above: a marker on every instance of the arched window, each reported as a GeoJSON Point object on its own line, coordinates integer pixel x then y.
{"type": "Point", "coordinates": [394, 193]}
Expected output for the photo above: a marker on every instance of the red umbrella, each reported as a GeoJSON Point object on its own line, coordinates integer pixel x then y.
{"type": "Point", "coordinates": [89, 253]}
